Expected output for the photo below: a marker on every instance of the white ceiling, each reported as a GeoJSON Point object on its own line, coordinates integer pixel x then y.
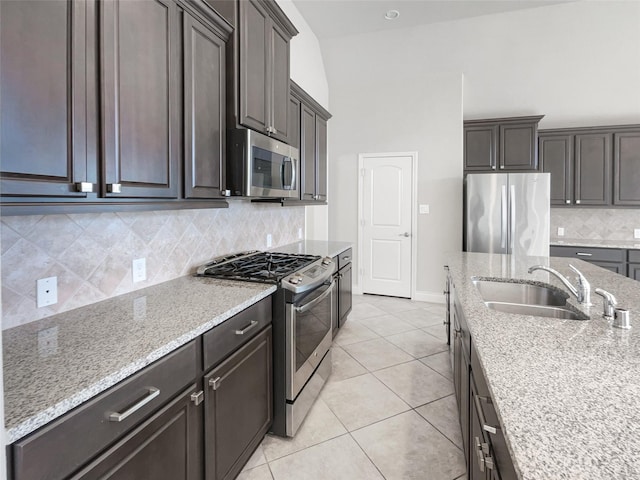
{"type": "Point", "coordinates": [336, 18]}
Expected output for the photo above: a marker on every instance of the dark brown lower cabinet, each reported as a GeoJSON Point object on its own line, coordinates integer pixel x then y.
{"type": "Point", "coordinates": [238, 407]}
{"type": "Point", "coordinates": [461, 371]}
{"type": "Point", "coordinates": [613, 259]}
{"type": "Point", "coordinates": [166, 446]}
{"type": "Point", "coordinates": [344, 293]}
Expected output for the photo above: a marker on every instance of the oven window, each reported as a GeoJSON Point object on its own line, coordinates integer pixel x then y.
{"type": "Point", "coordinates": [311, 328]}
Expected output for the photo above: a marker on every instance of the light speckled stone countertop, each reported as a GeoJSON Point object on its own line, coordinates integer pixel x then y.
{"type": "Point", "coordinates": [55, 364]}
{"type": "Point", "coordinates": [580, 242]}
{"type": "Point", "coordinates": [315, 247]}
{"type": "Point", "coordinates": [567, 392]}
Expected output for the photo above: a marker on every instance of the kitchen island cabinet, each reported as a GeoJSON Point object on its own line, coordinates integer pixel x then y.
{"type": "Point", "coordinates": [553, 406]}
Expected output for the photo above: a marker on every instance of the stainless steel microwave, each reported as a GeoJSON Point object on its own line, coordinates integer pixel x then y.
{"type": "Point", "coordinates": [260, 166]}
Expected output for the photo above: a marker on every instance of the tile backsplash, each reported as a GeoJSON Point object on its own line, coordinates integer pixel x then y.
{"type": "Point", "coordinates": [91, 254]}
{"type": "Point", "coordinates": [595, 223]}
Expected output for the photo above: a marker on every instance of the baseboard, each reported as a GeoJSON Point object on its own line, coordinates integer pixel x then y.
{"type": "Point", "coordinates": [357, 290]}
{"type": "Point", "coordinates": [430, 297]}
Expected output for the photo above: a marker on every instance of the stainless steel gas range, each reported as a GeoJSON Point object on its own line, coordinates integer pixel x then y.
{"type": "Point", "coordinates": [303, 311]}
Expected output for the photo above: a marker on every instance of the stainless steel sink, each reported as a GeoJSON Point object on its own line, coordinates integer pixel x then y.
{"type": "Point", "coordinates": [537, 310]}
{"type": "Point", "coordinates": [526, 298]}
{"type": "Point", "coordinates": [520, 293]}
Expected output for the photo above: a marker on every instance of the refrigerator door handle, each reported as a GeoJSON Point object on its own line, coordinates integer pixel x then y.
{"type": "Point", "coordinates": [512, 206]}
{"type": "Point", "coordinates": [503, 212]}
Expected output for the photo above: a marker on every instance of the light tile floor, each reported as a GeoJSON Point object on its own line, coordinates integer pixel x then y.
{"type": "Point", "coordinates": [387, 411]}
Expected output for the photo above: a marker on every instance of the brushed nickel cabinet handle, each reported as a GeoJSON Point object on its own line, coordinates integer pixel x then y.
{"type": "Point", "coordinates": [114, 188]}
{"type": "Point", "coordinates": [84, 187]}
{"type": "Point", "coordinates": [214, 382]}
{"type": "Point", "coordinates": [118, 417]}
{"type": "Point", "coordinates": [247, 328]}
{"type": "Point", "coordinates": [577, 202]}
{"type": "Point", "coordinates": [583, 254]}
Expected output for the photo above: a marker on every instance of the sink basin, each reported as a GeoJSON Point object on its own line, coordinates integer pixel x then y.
{"type": "Point", "coordinates": [537, 310]}
{"type": "Point", "coordinates": [520, 293]}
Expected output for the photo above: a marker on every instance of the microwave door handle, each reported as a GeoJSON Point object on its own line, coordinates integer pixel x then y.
{"type": "Point", "coordinates": [293, 174]}
{"type": "Point", "coordinates": [283, 169]}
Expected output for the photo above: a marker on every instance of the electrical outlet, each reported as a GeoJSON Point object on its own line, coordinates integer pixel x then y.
{"type": "Point", "coordinates": [424, 209]}
{"type": "Point", "coordinates": [560, 231]}
{"type": "Point", "coordinates": [636, 233]}
{"type": "Point", "coordinates": [300, 233]}
{"type": "Point", "coordinates": [47, 291]}
{"type": "Point", "coordinates": [48, 342]}
{"type": "Point", "coordinates": [269, 240]}
{"type": "Point", "coordinates": [139, 270]}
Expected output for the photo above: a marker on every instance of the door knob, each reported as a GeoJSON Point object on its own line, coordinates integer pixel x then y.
{"type": "Point", "coordinates": [405, 234]}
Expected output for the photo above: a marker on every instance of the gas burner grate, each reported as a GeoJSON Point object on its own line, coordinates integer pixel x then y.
{"type": "Point", "coordinates": [264, 267]}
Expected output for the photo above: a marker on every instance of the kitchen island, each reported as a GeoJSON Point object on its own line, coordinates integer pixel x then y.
{"type": "Point", "coordinates": [566, 392]}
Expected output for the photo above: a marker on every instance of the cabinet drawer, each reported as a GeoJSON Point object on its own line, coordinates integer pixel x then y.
{"type": "Point", "coordinates": [589, 253]}
{"type": "Point", "coordinates": [224, 339]}
{"type": "Point", "coordinates": [634, 256]}
{"type": "Point", "coordinates": [344, 258]}
{"type": "Point", "coordinates": [63, 446]}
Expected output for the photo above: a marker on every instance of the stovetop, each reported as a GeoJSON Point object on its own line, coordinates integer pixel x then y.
{"type": "Point", "coordinates": [256, 266]}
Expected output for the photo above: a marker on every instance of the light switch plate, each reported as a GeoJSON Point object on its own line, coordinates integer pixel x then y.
{"type": "Point", "coordinates": [269, 240]}
{"type": "Point", "coordinates": [636, 233]}
{"type": "Point", "coordinates": [47, 291]}
{"type": "Point", "coordinates": [48, 342]}
{"type": "Point", "coordinates": [424, 209]}
{"type": "Point", "coordinates": [560, 231]}
{"type": "Point", "coordinates": [300, 233]}
{"type": "Point", "coordinates": [139, 270]}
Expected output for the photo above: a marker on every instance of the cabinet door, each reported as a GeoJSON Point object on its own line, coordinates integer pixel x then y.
{"type": "Point", "coordinates": [308, 153]}
{"type": "Point", "coordinates": [345, 294]}
{"type": "Point", "coordinates": [278, 80]}
{"type": "Point", "coordinates": [480, 145]}
{"type": "Point", "coordinates": [254, 36]}
{"type": "Point", "coordinates": [167, 446]}
{"type": "Point", "coordinates": [615, 267]}
{"type": "Point", "coordinates": [294, 123]}
{"type": "Point", "coordinates": [204, 113]}
{"type": "Point", "coordinates": [626, 168]}
{"type": "Point", "coordinates": [634, 271]}
{"type": "Point", "coordinates": [556, 156]}
{"type": "Point", "coordinates": [593, 169]}
{"type": "Point", "coordinates": [140, 84]}
{"type": "Point", "coordinates": [43, 90]}
{"type": "Point", "coordinates": [477, 469]}
{"type": "Point", "coordinates": [321, 159]}
{"type": "Point", "coordinates": [238, 407]}
{"type": "Point", "coordinates": [461, 382]}
{"type": "Point", "coordinates": [518, 147]}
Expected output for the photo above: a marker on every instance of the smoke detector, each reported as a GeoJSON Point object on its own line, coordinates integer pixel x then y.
{"type": "Point", "coordinates": [392, 14]}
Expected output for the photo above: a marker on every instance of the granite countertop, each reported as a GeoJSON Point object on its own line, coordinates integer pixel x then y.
{"type": "Point", "coordinates": [315, 247]}
{"type": "Point", "coordinates": [567, 392]}
{"type": "Point", "coordinates": [55, 364]}
{"type": "Point", "coordinates": [581, 242]}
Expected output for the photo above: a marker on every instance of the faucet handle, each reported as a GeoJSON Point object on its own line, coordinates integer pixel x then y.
{"type": "Point", "coordinates": [584, 287]}
{"type": "Point", "coordinates": [609, 303]}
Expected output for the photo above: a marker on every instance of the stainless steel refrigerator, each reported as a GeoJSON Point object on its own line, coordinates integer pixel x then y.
{"type": "Point", "coordinates": [508, 213]}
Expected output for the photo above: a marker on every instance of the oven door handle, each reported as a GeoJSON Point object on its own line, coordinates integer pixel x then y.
{"type": "Point", "coordinates": [316, 301]}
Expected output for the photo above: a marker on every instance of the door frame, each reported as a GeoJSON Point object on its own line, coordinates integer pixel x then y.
{"type": "Point", "coordinates": [414, 213]}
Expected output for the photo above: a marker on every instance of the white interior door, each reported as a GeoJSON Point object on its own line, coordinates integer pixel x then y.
{"type": "Point", "coordinates": [386, 225]}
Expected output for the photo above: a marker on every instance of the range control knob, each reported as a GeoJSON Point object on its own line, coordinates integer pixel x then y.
{"type": "Point", "coordinates": [326, 261]}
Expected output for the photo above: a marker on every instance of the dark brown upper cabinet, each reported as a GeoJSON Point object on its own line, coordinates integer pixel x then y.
{"type": "Point", "coordinates": [113, 105]}
{"type": "Point", "coordinates": [43, 84]}
{"type": "Point", "coordinates": [501, 144]}
{"type": "Point", "coordinates": [556, 157]}
{"type": "Point", "coordinates": [626, 168]}
{"type": "Point", "coordinates": [264, 50]}
{"type": "Point", "coordinates": [204, 110]}
{"type": "Point", "coordinates": [593, 169]}
{"type": "Point", "coordinates": [592, 166]}
{"type": "Point", "coordinates": [140, 98]}
{"type": "Point", "coordinates": [311, 139]}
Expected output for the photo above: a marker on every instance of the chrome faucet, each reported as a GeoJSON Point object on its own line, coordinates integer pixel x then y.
{"type": "Point", "coordinates": [582, 293]}
{"type": "Point", "coordinates": [609, 303]}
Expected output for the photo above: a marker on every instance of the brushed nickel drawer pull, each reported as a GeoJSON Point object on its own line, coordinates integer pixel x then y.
{"type": "Point", "coordinates": [490, 429]}
{"type": "Point", "coordinates": [582, 254]}
{"type": "Point", "coordinates": [118, 417]}
{"type": "Point", "coordinates": [347, 258]}
{"type": "Point", "coordinates": [247, 328]}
